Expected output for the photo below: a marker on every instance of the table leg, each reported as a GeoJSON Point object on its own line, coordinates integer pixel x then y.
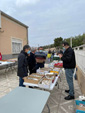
{"type": "Point", "coordinates": [60, 79]}
{"type": "Point", "coordinates": [57, 84]}
{"type": "Point", "coordinates": [48, 108]}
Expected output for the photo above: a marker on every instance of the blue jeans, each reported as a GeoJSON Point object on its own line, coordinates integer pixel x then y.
{"type": "Point", "coordinates": [21, 81]}
{"type": "Point", "coordinates": [69, 77]}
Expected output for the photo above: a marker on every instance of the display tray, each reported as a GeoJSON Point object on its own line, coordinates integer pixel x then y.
{"type": "Point", "coordinates": [33, 78]}
{"type": "Point", "coordinates": [45, 69]}
{"type": "Point", "coordinates": [36, 75]}
{"type": "Point", "coordinates": [56, 72]}
{"type": "Point", "coordinates": [31, 81]}
{"type": "Point", "coordinates": [58, 66]}
{"type": "Point", "coordinates": [50, 74]}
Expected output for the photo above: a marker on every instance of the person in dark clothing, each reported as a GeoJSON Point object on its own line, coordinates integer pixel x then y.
{"type": "Point", "coordinates": [32, 61]}
{"type": "Point", "coordinates": [49, 56]}
{"type": "Point", "coordinates": [53, 52]}
{"type": "Point", "coordinates": [40, 57]}
{"type": "Point", "coordinates": [60, 52]}
{"type": "Point", "coordinates": [69, 64]}
{"type": "Point", "coordinates": [22, 64]}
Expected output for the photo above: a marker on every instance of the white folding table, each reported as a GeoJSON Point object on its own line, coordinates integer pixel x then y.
{"type": "Point", "coordinates": [52, 85]}
{"type": "Point", "coordinates": [5, 65]}
{"type": "Point", "coordinates": [24, 100]}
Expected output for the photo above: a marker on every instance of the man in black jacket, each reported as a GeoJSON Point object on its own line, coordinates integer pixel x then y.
{"type": "Point", "coordinates": [22, 64]}
{"type": "Point", "coordinates": [32, 61]}
{"type": "Point", "coordinates": [69, 64]}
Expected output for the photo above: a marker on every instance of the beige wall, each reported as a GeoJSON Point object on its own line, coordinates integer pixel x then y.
{"type": "Point", "coordinates": [11, 30]}
{"type": "Point", "coordinates": [81, 79]}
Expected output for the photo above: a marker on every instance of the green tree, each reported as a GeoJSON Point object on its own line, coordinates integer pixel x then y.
{"type": "Point", "coordinates": [77, 40]}
{"type": "Point", "coordinates": [58, 41]}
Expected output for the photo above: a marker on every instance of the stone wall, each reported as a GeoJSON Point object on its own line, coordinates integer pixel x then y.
{"type": "Point", "coordinates": [80, 61]}
{"type": "Point", "coordinates": [81, 79]}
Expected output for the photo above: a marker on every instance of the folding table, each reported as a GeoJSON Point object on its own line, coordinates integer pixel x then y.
{"type": "Point", "coordinates": [5, 65]}
{"type": "Point", "coordinates": [52, 85]}
{"type": "Point", "coordinates": [24, 100]}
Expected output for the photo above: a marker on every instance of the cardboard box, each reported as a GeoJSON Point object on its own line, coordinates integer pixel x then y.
{"type": "Point", "coordinates": [50, 75]}
{"type": "Point", "coordinates": [45, 69]}
{"type": "Point", "coordinates": [29, 79]}
{"type": "Point", "coordinates": [58, 66]}
{"type": "Point", "coordinates": [80, 106]}
{"type": "Point", "coordinates": [36, 74]}
{"type": "Point", "coordinates": [40, 60]}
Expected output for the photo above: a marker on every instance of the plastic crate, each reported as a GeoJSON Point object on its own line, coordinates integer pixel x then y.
{"type": "Point", "coordinates": [56, 58]}
{"type": "Point", "coordinates": [78, 103]}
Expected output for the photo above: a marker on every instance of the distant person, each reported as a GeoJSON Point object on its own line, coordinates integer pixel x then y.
{"type": "Point", "coordinates": [40, 58]}
{"type": "Point", "coordinates": [22, 64]}
{"type": "Point", "coordinates": [32, 61]}
{"type": "Point", "coordinates": [60, 52]}
{"type": "Point", "coordinates": [69, 65]}
{"type": "Point", "coordinates": [0, 56]}
{"type": "Point", "coordinates": [49, 56]}
{"type": "Point", "coordinates": [53, 52]}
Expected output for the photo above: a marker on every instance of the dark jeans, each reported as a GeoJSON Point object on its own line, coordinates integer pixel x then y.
{"type": "Point", "coordinates": [69, 77]}
{"type": "Point", "coordinates": [21, 82]}
{"type": "Point", "coordinates": [39, 65]}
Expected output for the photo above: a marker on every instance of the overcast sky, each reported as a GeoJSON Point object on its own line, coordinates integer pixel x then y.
{"type": "Point", "coordinates": [48, 19]}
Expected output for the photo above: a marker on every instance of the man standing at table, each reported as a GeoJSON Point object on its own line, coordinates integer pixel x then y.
{"type": "Point", "coordinates": [22, 64]}
{"type": "Point", "coordinates": [32, 61]}
{"type": "Point", "coordinates": [40, 57]}
{"type": "Point", "coordinates": [69, 64]}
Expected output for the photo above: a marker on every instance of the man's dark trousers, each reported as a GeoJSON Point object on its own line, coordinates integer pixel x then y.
{"type": "Point", "coordinates": [39, 65]}
{"type": "Point", "coordinates": [69, 77]}
{"type": "Point", "coordinates": [21, 81]}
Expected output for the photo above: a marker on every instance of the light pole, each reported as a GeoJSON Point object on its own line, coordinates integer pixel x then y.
{"type": "Point", "coordinates": [71, 41]}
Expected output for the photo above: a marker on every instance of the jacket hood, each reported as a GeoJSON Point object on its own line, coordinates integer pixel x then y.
{"type": "Point", "coordinates": [23, 52]}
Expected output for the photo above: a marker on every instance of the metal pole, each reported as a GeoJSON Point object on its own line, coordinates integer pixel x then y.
{"type": "Point", "coordinates": [71, 41]}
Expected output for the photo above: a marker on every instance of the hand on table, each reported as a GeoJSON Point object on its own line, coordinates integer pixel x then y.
{"type": "Point", "coordinates": [60, 55]}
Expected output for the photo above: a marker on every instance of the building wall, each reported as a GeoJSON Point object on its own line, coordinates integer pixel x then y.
{"type": "Point", "coordinates": [81, 79]}
{"type": "Point", "coordinates": [80, 59]}
{"type": "Point", "coordinates": [11, 30]}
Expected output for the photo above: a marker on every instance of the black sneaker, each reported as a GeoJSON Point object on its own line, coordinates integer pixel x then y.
{"type": "Point", "coordinates": [69, 97]}
{"type": "Point", "coordinates": [67, 91]}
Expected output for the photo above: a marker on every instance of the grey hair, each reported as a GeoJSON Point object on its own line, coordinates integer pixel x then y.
{"type": "Point", "coordinates": [33, 49]}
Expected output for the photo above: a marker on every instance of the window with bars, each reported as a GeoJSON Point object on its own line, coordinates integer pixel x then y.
{"type": "Point", "coordinates": [16, 45]}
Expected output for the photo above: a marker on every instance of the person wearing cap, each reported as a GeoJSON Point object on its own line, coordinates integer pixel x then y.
{"type": "Point", "coordinates": [23, 65]}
